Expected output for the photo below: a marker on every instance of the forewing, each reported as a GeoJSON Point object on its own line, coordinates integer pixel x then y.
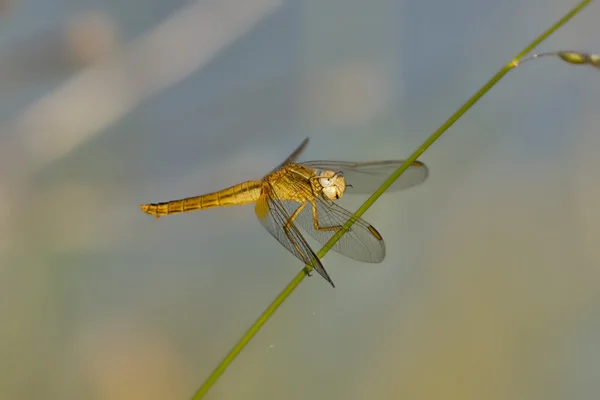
{"type": "Point", "coordinates": [362, 242]}
{"type": "Point", "coordinates": [273, 216]}
{"type": "Point", "coordinates": [292, 157]}
{"type": "Point", "coordinates": [366, 177]}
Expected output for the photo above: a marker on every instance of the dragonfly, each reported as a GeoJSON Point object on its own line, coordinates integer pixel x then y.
{"type": "Point", "coordinates": [301, 197]}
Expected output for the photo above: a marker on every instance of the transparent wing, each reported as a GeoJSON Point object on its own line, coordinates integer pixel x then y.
{"type": "Point", "coordinates": [292, 157]}
{"type": "Point", "coordinates": [362, 242]}
{"type": "Point", "coordinates": [273, 216]}
{"type": "Point", "coordinates": [366, 177]}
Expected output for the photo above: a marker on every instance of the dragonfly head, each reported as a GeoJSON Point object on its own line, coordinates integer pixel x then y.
{"type": "Point", "coordinates": [333, 183]}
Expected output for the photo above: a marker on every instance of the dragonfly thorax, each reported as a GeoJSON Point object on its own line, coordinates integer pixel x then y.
{"type": "Point", "coordinates": [333, 184]}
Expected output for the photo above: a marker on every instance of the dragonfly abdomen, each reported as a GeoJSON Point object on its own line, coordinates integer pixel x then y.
{"type": "Point", "coordinates": [243, 193]}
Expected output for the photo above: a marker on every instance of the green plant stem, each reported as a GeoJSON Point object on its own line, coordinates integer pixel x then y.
{"type": "Point", "coordinates": [210, 381]}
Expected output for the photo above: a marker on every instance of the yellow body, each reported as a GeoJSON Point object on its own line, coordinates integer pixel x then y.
{"type": "Point", "coordinates": [304, 196]}
{"type": "Point", "coordinates": [288, 183]}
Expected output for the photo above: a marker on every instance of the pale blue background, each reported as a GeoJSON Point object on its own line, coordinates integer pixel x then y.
{"type": "Point", "coordinates": [490, 289]}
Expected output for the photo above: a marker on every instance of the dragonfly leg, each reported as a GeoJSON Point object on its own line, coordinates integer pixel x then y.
{"type": "Point", "coordinates": [316, 221]}
{"type": "Point", "coordinates": [288, 224]}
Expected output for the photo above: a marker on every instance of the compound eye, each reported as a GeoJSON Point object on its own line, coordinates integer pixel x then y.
{"type": "Point", "coordinates": [330, 193]}
{"type": "Point", "coordinates": [326, 182]}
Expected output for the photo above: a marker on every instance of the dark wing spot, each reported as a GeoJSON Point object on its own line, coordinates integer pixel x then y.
{"type": "Point", "coordinates": [374, 232]}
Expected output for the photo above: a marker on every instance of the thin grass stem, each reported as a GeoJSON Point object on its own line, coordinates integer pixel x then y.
{"type": "Point", "coordinates": [264, 317]}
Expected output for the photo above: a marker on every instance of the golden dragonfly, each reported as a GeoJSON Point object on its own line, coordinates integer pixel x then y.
{"type": "Point", "coordinates": [302, 195]}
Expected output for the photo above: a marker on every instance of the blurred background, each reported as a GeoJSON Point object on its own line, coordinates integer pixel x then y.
{"type": "Point", "coordinates": [491, 286]}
